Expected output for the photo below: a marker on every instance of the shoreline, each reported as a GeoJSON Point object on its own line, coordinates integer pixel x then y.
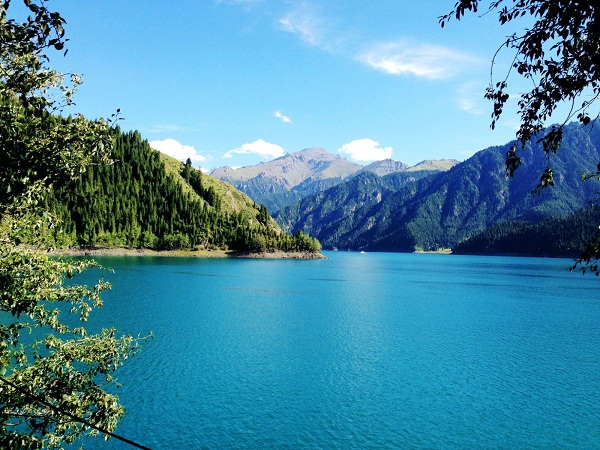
{"type": "Point", "coordinates": [142, 252]}
{"type": "Point", "coordinates": [443, 251]}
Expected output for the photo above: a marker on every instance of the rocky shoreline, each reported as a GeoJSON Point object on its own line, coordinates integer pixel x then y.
{"type": "Point", "coordinates": [127, 251]}
{"type": "Point", "coordinates": [278, 255]}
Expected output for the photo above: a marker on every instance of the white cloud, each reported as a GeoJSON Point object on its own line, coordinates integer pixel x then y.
{"type": "Point", "coordinates": [418, 59]}
{"type": "Point", "coordinates": [470, 98]}
{"type": "Point", "coordinates": [177, 150]}
{"type": "Point", "coordinates": [469, 105]}
{"type": "Point", "coordinates": [366, 150]}
{"type": "Point", "coordinates": [310, 24]}
{"type": "Point", "coordinates": [303, 22]}
{"type": "Point", "coordinates": [282, 117]}
{"type": "Point", "coordinates": [260, 147]}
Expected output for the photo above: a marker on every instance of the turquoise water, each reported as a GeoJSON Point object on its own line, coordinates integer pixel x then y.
{"type": "Point", "coordinates": [374, 350]}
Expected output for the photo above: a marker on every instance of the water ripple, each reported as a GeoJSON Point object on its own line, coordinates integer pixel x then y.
{"type": "Point", "coordinates": [343, 354]}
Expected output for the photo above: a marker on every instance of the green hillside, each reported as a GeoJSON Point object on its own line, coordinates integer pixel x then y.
{"type": "Point", "coordinates": [145, 199]}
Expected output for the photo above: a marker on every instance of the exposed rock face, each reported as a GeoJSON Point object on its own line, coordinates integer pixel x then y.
{"type": "Point", "coordinates": [384, 167]}
{"type": "Point", "coordinates": [287, 179]}
{"type": "Point", "coordinates": [434, 164]}
{"type": "Point", "coordinates": [292, 169]}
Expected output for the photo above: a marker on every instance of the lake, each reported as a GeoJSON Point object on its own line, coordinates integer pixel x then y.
{"type": "Point", "coordinates": [374, 350]}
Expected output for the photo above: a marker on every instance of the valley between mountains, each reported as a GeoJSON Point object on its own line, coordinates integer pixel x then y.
{"type": "Point", "coordinates": [311, 200]}
{"type": "Point", "coordinates": [470, 206]}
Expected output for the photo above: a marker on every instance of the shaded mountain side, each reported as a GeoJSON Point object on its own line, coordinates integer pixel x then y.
{"type": "Point", "coordinates": [149, 200]}
{"type": "Point", "coordinates": [275, 195]}
{"type": "Point", "coordinates": [555, 237]}
{"type": "Point", "coordinates": [288, 179]}
{"type": "Point", "coordinates": [442, 210]}
{"type": "Point", "coordinates": [338, 212]}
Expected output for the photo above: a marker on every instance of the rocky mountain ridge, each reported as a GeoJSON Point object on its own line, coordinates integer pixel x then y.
{"type": "Point", "coordinates": [445, 208]}
{"type": "Point", "coordinates": [285, 180]}
{"type": "Point", "coordinates": [292, 169]}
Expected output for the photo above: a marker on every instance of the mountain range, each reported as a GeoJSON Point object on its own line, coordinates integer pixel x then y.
{"type": "Point", "coordinates": [439, 209]}
{"type": "Point", "coordinates": [146, 199]}
{"type": "Point", "coordinates": [292, 177]}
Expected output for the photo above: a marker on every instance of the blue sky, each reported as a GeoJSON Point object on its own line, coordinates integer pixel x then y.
{"type": "Point", "coordinates": [236, 82]}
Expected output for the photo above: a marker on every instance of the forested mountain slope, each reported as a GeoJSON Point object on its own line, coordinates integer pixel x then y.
{"type": "Point", "coordinates": [337, 212]}
{"type": "Point", "coordinates": [556, 237]}
{"type": "Point", "coordinates": [145, 199]}
{"type": "Point", "coordinates": [447, 208]}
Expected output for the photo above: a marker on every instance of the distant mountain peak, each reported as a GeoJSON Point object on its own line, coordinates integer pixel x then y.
{"type": "Point", "coordinates": [293, 168]}
{"type": "Point", "coordinates": [434, 164]}
{"type": "Point", "coordinates": [388, 166]}
{"type": "Point", "coordinates": [284, 180]}
{"type": "Point", "coordinates": [314, 153]}
{"type": "Point", "coordinates": [385, 167]}
{"type": "Point", "coordinates": [438, 204]}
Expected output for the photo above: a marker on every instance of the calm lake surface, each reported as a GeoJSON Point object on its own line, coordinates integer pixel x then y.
{"type": "Point", "coordinates": [374, 350]}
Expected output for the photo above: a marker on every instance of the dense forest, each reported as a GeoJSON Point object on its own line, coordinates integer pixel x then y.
{"type": "Point", "coordinates": [146, 200]}
{"type": "Point", "coordinates": [556, 237]}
